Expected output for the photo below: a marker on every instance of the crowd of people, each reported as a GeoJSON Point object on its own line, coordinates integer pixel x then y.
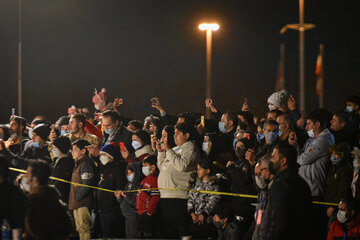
{"type": "Point", "coordinates": [172, 176]}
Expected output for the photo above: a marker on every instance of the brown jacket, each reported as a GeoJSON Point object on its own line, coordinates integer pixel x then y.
{"type": "Point", "coordinates": [83, 173]}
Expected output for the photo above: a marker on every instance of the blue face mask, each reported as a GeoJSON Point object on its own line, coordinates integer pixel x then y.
{"type": "Point", "coordinates": [109, 131]}
{"type": "Point", "coordinates": [271, 137]}
{"type": "Point", "coordinates": [279, 133]}
{"type": "Point", "coordinates": [63, 132]}
{"type": "Point", "coordinates": [222, 127]}
{"type": "Point", "coordinates": [30, 133]}
{"type": "Point", "coordinates": [136, 144]}
{"type": "Point", "coordinates": [131, 177]}
{"type": "Point", "coordinates": [234, 143]}
{"type": "Point", "coordinates": [36, 144]}
{"type": "Point", "coordinates": [259, 137]}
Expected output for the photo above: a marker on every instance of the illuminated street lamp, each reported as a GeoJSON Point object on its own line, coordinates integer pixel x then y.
{"type": "Point", "coordinates": [209, 27]}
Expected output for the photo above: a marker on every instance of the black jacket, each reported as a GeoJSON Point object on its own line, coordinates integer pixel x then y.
{"type": "Point", "coordinates": [63, 168]}
{"type": "Point", "coordinates": [288, 211]}
{"type": "Point", "coordinates": [122, 134]}
{"type": "Point", "coordinates": [112, 176]}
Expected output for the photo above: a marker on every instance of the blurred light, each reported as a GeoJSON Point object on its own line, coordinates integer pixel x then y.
{"type": "Point", "coordinates": [209, 26]}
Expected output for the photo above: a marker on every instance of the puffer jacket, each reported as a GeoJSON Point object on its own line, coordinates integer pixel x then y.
{"type": "Point", "coordinates": [314, 161]}
{"type": "Point", "coordinates": [202, 203]}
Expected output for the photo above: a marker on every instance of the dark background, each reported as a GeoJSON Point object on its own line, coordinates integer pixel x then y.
{"type": "Point", "coordinates": [138, 49]}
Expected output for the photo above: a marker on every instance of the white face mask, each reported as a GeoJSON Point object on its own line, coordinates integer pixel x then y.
{"type": "Point", "coordinates": [356, 163]}
{"type": "Point", "coordinates": [205, 147]}
{"type": "Point", "coordinates": [349, 108]}
{"type": "Point", "coordinates": [272, 107]}
{"type": "Point", "coordinates": [341, 216]}
{"type": "Point", "coordinates": [260, 182]}
{"type": "Point", "coordinates": [24, 185]}
{"type": "Point", "coordinates": [311, 133]}
{"type": "Point", "coordinates": [136, 145]}
{"type": "Point", "coordinates": [56, 152]}
{"type": "Point", "coordinates": [146, 170]}
{"type": "Point", "coordinates": [104, 159]}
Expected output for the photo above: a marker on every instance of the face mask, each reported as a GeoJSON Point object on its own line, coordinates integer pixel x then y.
{"type": "Point", "coordinates": [109, 131]}
{"type": "Point", "coordinates": [146, 170]}
{"type": "Point", "coordinates": [136, 144]}
{"type": "Point", "coordinates": [259, 137]}
{"type": "Point", "coordinates": [56, 152]}
{"type": "Point", "coordinates": [104, 159]}
{"type": "Point", "coordinates": [30, 133]}
{"type": "Point", "coordinates": [218, 224]}
{"type": "Point", "coordinates": [24, 184]}
{"type": "Point", "coordinates": [271, 137]}
{"type": "Point", "coordinates": [341, 216]}
{"type": "Point", "coordinates": [349, 109]}
{"type": "Point", "coordinates": [356, 163]}
{"type": "Point", "coordinates": [222, 127]}
{"type": "Point", "coordinates": [63, 132]}
{"type": "Point", "coordinates": [234, 142]}
{"type": "Point", "coordinates": [131, 177]}
{"type": "Point", "coordinates": [36, 144]}
{"type": "Point", "coordinates": [279, 133]}
{"type": "Point", "coordinates": [205, 147]}
{"type": "Point", "coordinates": [335, 160]}
{"type": "Point", "coordinates": [311, 133]}
{"type": "Point", "coordinates": [260, 182]}
{"type": "Point", "coordinates": [240, 153]}
{"type": "Point", "coordinates": [272, 107]}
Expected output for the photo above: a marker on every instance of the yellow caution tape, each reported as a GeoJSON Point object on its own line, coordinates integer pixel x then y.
{"type": "Point", "coordinates": [172, 189]}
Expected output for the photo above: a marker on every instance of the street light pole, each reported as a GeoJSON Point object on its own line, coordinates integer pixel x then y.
{"type": "Point", "coordinates": [19, 77]}
{"type": "Point", "coordinates": [209, 27]}
{"type": "Point", "coordinates": [301, 27]}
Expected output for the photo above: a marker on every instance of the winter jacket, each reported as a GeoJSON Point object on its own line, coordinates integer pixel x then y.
{"type": "Point", "coordinates": [338, 182]}
{"type": "Point", "coordinates": [147, 201]}
{"type": "Point", "coordinates": [314, 161]}
{"type": "Point", "coordinates": [230, 232]}
{"type": "Point", "coordinates": [240, 175]}
{"type": "Point", "coordinates": [337, 231]}
{"type": "Point", "coordinates": [288, 207]}
{"type": "Point", "coordinates": [175, 167]}
{"type": "Point", "coordinates": [260, 214]}
{"type": "Point", "coordinates": [202, 203]}
{"type": "Point", "coordinates": [46, 217]}
{"type": "Point", "coordinates": [112, 176]}
{"type": "Point", "coordinates": [84, 173]}
{"type": "Point", "coordinates": [63, 168]}
{"type": "Point", "coordinates": [128, 203]}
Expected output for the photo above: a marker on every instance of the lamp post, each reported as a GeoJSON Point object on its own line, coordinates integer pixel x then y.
{"type": "Point", "coordinates": [209, 27]}
{"type": "Point", "coordinates": [301, 27]}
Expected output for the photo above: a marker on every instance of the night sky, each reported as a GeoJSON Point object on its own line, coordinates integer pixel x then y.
{"type": "Point", "coordinates": [141, 49]}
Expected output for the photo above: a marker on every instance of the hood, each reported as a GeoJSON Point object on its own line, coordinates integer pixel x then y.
{"type": "Point", "coordinates": [327, 135]}
{"type": "Point", "coordinates": [137, 166]}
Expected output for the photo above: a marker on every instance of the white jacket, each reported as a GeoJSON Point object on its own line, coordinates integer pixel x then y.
{"type": "Point", "coordinates": [175, 167]}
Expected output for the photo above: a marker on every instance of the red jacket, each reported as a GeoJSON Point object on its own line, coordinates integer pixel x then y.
{"type": "Point", "coordinates": [336, 231]}
{"type": "Point", "coordinates": [147, 201]}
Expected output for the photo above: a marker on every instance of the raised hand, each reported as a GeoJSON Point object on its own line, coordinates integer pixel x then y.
{"type": "Point", "coordinates": [209, 103]}
{"type": "Point", "coordinates": [245, 106]}
{"type": "Point", "coordinates": [118, 101]}
{"type": "Point", "coordinates": [291, 103]}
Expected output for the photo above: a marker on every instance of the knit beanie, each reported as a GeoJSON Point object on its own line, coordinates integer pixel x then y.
{"type": "Point", "coordinates": [279, 99]}
{"type": "Point", "coordinates": [63, 144]}
{"type": "Point", "coordinates": [112, 149]}
{"type": "Point", "coordinates": [42, 130]}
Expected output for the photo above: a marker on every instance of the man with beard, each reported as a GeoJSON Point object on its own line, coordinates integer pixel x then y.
{"type": "Point", "coordinates": [287, 213]}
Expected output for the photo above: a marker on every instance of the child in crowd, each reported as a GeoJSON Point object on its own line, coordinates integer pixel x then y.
{"type": "Point", "coordinates": [147, 201]}
{"type": "Point", "coordinates": [128, 199]}
{"type": "Point", "coordinates": [201, 205]}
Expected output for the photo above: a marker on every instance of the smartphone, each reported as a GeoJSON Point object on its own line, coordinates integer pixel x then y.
{"type": "Point", "coordinates": [122, 145]}
{"type": "Point", "coordinates": [203, 120]}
